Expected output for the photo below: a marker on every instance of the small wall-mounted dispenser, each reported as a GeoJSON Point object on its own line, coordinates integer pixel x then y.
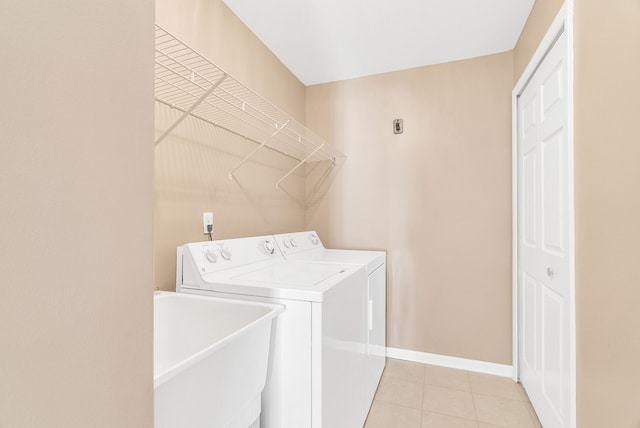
{"type": "Point", "coordinates": [398, 126]}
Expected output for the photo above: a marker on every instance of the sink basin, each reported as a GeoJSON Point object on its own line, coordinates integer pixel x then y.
{"type": "Point", "coordinates": [210, 360]}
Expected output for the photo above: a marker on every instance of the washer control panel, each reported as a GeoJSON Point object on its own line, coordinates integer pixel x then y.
{"type": "Point", "coordinates": [293, 243]}
{"type": "Point", "coordinates": [214, 256]}
{"type": "Point", "coordinates": [215, 251]}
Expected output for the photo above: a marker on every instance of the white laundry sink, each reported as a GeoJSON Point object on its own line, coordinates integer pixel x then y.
{"type": "Point", "coordinates": [210, 360]}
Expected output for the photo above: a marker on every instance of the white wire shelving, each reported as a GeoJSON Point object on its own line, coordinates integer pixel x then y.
{"type": "Point", "coordinates": [190, 83]}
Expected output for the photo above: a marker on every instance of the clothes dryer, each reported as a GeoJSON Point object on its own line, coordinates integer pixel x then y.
{"type": "Point", "coordinates": [318, 355]}
{"type": "Point", "coordinates": [308, 246]}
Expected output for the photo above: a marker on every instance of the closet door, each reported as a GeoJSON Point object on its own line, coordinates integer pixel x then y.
{"type": "Point", "coordinates": [543, 239]}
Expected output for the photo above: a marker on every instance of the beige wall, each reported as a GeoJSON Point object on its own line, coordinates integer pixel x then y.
{"type": "Point", "coordinates": [541, 16]}
{"type": "Point", "coordinates": [76, 133]}
{"type": "Point", "coordinates": [437, 198]}
{"type": "Point", "coordinates": [192, 164]}
{"type": "Point", "coordinates": [607, 173]}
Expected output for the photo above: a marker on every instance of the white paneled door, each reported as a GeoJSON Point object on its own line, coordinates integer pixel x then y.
{"type": "Point", "coordinates": [544, 265]}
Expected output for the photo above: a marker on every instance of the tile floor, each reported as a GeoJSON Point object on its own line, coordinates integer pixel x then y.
{"type": "Point", "coordinates": [414, 395]}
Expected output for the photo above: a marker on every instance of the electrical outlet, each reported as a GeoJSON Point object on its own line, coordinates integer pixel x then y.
{"type": "Point", "coordinates": [207, 221]}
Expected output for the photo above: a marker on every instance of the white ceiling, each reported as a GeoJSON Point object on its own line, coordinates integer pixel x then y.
{"type": "Point", "coordinates": [327, 40]}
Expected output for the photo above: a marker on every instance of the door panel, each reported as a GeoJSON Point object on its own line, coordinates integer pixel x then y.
{"type": "Point", "coordinates": [543, 236]}
{"type": "Point", "coordinates": [529, 209]}
{"type": "Point", "coordinates": [551, 89]}
{"type": "Point", "coordinates": [552, 357]}
{"type": "Point", "coordinates": [529, 321]}
{"type": "Point", "coordinates": [552, 221]}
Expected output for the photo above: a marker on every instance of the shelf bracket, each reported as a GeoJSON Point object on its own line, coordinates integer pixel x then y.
{"type": "Point", "coordinates": [191, 109]}
{"type": "Point", "coordinates": [264, 143]}
{"type": "Point", "coordinates": [298, 166]}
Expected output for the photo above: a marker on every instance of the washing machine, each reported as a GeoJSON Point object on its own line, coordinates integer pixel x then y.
{"type": "Point", "coordinates": [318, 356]}
{"type": "Point", "coordinates": [308, 246]}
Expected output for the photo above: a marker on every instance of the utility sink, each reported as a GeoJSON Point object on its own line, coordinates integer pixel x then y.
{"type": "Point", "coordinates": [210, 360]}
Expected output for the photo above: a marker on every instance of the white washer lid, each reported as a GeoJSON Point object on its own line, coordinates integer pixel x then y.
{"type": "Point", "coordinates": [371, 259]}
{"type": "Point", "coordinates": [303, 274]}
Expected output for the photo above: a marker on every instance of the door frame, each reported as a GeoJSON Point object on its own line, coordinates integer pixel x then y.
{"type": "Point", "coordinates": [563, 22]}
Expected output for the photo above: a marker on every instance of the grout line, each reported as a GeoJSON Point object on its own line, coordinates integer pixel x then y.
{"type": "Point", "coordinates": [527, 402]}
{"type": "Point", "coordinates": [473, 398]}
{"type": "Point", "coordinates": [451, 416]}
{"type": "Point", "coordinates": [396, 404]}
{"type": "Point", "coordinates": [404, 380]}
{"type": "Point", "coordinates": [424, 380]}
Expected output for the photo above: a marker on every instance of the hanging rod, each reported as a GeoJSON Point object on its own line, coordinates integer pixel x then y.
{"type": "Point", "coordinates": [296, 167]}
{"type": "Point", "coordinates": [250, 155]}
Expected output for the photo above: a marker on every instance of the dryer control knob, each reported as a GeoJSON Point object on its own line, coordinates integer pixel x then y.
{"type": "Point", "coordinates": [226, 254]}
{"type": "Point", "coordinates": [293, 243]}
{"type": "Point", "coordinates": [268, 247]}
{"type": "Point", "coordinates": [211, 255]}
{"type": "Point", "coordinates": [314, 239]}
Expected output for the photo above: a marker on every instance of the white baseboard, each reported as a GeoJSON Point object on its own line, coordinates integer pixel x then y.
{"type": "Point", "coordinates": [452, 362]}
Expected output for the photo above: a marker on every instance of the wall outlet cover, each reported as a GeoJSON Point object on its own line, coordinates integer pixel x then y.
{"type": "Point", "coordinates": [207, 220]}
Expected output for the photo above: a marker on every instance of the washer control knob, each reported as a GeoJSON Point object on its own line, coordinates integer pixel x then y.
{"type": "Point", "coordinates": [268, 247]}
{"type": "Point", "coordinates": [225, 253]}
{"type": "Point", "coordinates": [314, 239]}
{"type": "Point", "coordinates": [293, 243]}
{"type": "Point", "coordinates": [286, 243]}
{"type": "Point", "coordinates": [211, 255]}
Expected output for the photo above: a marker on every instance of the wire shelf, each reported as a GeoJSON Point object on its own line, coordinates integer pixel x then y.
{"type": "Point", "coordinates": [189, 82]}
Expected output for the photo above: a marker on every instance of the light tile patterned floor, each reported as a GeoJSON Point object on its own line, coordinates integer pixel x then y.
{"type": "Point", "coordinates": [414, 395]}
